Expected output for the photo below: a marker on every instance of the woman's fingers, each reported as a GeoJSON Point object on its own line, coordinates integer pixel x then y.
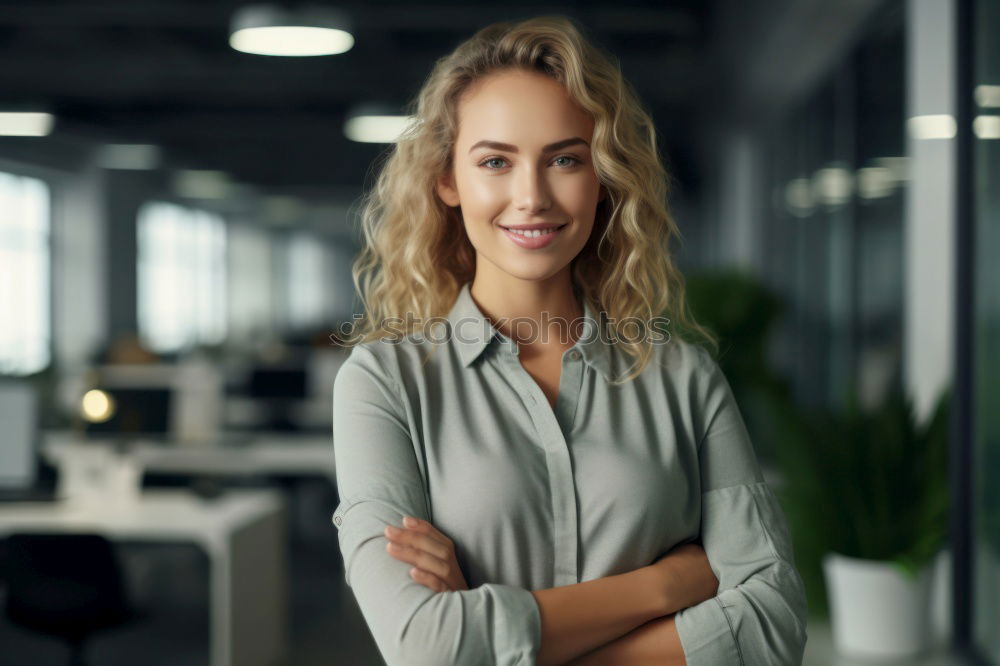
{"type": "Point", "coordinates": [424, 527]}
{"type": "Point", "coordinates": [421, 559]}
{"type": "Point", "coordinates": [420, 543]}
{"type": "Point", "coordinates": [420, 540]}
{"type": "Point", "coordinates": [428, 579]}
{"type": "Point", "coordinates": [424, 572]}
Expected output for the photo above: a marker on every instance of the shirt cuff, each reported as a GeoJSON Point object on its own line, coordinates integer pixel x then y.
{"type": "Point", "coordinates": [518, 624]}
{"type": "Point", "coordinates": [707, 635]}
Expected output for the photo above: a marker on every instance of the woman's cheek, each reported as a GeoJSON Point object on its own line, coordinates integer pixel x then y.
{"type": "Point", "coordinates": [489, 193]}
{"type": "Point", "coordinates": [583, 193]}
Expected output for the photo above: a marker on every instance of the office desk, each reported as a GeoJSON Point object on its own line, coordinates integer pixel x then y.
{"type": "Point", "coordinates": [292, 455]}
{"type": "Point", "coordinates": [243, 534]}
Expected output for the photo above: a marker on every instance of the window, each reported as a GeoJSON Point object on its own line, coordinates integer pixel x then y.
{"type": "Point", "coordinates": [24, 275]}
{"type": "Point", "coordinates": [181, 277]}
{"type": "Point", "coordinates": [251, 278]}
{"type": "Point", "coordinates": [308, 285]}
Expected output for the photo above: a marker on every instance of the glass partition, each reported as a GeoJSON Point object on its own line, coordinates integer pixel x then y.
{"type": "Point", "coordinates": [834, 230]}
{"type": "Point", "coordinates": [986, 317]}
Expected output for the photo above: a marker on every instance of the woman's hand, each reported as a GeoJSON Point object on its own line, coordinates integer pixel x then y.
{"type": "Point", "coordinates": [687, 577]}
{"type": "Point", "coordinates": [431, 553]}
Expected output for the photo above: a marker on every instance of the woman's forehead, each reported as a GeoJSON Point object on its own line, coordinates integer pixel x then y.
{"type": "Point", "coordinates": [521, 108]}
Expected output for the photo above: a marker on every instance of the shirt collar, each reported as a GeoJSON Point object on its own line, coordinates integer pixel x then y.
{"type": "Point", "coordinates": [473, 333]}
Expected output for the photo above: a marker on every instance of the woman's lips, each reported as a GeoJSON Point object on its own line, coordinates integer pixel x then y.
{"type": "Point", "coordinates": [532, 242]}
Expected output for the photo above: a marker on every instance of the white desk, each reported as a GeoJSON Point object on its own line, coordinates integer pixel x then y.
{"type": "Point", "coordinates": [243, 533]}
{"type": "Point", "coordinates": [300, 455]}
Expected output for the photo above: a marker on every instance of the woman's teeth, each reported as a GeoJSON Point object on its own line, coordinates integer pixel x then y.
{"type": "Point", "coordinates": [535, 232]}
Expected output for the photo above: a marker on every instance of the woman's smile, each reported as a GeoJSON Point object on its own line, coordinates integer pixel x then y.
{"type": "Point", "coordinates": [532, 239]}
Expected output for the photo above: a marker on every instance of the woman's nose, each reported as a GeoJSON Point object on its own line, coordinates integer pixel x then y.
{"type": "Point", "coordinates": [531, 191]}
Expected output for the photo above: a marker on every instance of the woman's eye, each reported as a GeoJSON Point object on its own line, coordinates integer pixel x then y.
{"type": "Point", "coordinates": [490, 163]}
{"type": "Point", "coordinates": [572, 160]}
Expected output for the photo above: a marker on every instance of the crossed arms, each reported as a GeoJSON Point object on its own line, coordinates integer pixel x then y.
{"type": "Point", "coordinates": [626, 619]}
{"type": "Point", "coordinates": [757, 616]}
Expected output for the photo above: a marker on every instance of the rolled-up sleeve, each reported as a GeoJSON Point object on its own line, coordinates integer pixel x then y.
{"type": "Point", "coordinates": [759, 614]}
{"type": "Point", "coordinates": [379, 482]}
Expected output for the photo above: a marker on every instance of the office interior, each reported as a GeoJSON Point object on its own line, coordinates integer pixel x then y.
{"type": "Point", "coordinates": [178, 218]}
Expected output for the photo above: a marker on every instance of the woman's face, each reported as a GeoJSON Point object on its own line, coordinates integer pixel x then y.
{"type": "Point", "coordinates": [522, 157]}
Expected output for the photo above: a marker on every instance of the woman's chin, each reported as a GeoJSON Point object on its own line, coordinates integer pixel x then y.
{"type": "Point", "coordinates": [533, 269]}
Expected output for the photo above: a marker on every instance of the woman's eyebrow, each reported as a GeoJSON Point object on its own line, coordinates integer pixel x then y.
{"type": "Point", "coordinates": [511, 148]}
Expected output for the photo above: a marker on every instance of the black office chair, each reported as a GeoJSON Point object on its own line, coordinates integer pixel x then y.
{"type": "Point", "coordinates": [70, 586]}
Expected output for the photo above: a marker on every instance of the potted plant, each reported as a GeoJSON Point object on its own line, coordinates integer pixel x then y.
{"type": "Point", "coordinates": [866, 493]}
{"type": "Point", "coordinates": [742, 312]}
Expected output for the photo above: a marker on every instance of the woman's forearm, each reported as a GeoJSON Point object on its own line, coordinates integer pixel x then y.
{"type": "Point", "coordinates": [579, 618]}
{"type": "Point", "coordinates": [623, 619]}
{"type": "Point", "coordinates": [688, 577]}
{"type": "Point", "coordinates": [654, 643]}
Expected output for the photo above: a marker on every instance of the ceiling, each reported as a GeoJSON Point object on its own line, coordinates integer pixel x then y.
{"type": "Point", "coordinates": [162, 71]}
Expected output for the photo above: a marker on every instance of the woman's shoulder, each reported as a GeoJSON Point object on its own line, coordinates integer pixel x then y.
{"type": "Point", "coordinates": [395, 345]}
{"type": "Point", "coordinates": [688, 374]}
{"type": "Point", "coordinates": [389, 355]}
{"type": "Point", "coordinates": [681, 359]}
{"type": "Point", "coordinates": [371, 369]}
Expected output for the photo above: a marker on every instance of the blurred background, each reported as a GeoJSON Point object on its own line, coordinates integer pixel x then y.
{"type": "Point", "coordinates": [178, 213]}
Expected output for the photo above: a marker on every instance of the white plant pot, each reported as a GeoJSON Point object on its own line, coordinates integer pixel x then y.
{"type": "Point", "coordinates": [876, 610]}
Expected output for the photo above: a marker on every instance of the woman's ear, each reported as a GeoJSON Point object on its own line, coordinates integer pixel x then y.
{"type": "Point", "coordinates": [446, 189]}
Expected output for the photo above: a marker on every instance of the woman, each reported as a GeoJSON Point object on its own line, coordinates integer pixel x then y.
{"type": "Point", "coordinates": [575, 489]}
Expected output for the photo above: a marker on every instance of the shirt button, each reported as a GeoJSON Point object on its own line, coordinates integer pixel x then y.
{"type": "Point", "coordinates": [575, 355]}
{"type": "Point", "coordinates": [530, 399]}
{"type": "Point", "coordinates": [337, 520]}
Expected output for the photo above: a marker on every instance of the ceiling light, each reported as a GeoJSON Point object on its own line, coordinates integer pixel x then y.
{"type": "Point", "coordinates": [281, 209]}
{"type": "Point", "coordinates": [799, 201]}
{"type": "Point", "coordinates": [898, 166]}
{"type": "Point", "coordinates": [988, 96]}
{"type": "Point", "coordinates": [940, 126]}
{"type": "Point", "coordinates": [832, 185]}
{"type": "Point", "coordinates": [137, 156]}
{"type": "Point", "coordinates": [201, 184]}
{"type": "Point", "coordinates": [875, 182]}
{"type": "Point", "coordinates": [375, 123]}
{"type": "Point", "coordinates": [271, 30]}
{"type": "Point", "coordinates": [375, 129]}
{"type": "Point", "coordinates": [986, 127]}
{"type": "Point", "coordinates": [25, 123]}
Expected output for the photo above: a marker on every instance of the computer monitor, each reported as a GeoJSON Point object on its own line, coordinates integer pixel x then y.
{"type": "Point", "coordinates": [18, 414]}
{"type": "Point", "coordinates": [278, 383]}
{"type": "Point", "coordinates": [180, 403]}
{"type": "Point", "coordinates": [280, 388]}
{"type": "Point", "coordinates": [133, 412]}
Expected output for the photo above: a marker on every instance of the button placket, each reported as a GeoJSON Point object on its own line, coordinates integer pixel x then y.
{"type": "Point", "coordinates": [562, 482]}
{"type": "Point", "coordinates": [570, 385]}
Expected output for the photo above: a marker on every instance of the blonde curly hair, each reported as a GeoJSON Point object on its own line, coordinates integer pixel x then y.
{"type": "Point", "coordinates": [624, 270]}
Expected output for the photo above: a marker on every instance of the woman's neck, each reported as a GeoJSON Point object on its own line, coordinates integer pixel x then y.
{"type": "Point", "coordinates": [521, 308]}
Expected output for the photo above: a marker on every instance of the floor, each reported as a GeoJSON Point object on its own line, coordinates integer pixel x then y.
{"type": "Point", "coordinates": [820, 652]}
{"type": "Point", "coordinates": [326, 626]}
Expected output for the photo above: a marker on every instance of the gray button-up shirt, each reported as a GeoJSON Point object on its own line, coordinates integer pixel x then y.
{"type": "Point", "coordinates": [534, 498]}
